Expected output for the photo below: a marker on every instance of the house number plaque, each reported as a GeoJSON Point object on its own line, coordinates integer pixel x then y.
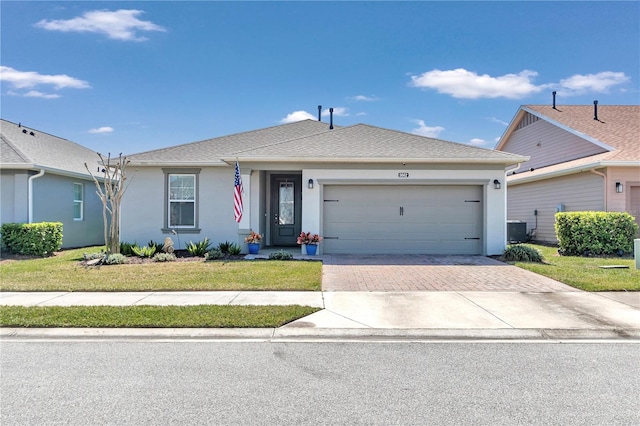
{"type": "Point", "coordinates": [403, 175]}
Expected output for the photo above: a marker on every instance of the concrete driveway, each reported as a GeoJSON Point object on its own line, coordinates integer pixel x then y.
{"type": "Point", "coordinates": [410, 273]}
{"type": "Point", "coordinates": [461, 296]}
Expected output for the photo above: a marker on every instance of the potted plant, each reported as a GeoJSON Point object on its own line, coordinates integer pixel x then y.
{"type": "Point", "coordinates": [310, 241]}
{"type": "Point", "coordinates": [253, 242]}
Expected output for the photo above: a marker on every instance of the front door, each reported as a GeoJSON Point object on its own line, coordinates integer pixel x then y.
{"type": "Point", "coordinates": [286, 209]}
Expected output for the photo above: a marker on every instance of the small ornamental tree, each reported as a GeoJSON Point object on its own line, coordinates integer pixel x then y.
{"type": "Point", "coordinates": [110, 192]}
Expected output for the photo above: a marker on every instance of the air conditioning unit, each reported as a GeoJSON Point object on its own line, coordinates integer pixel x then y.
{"type": "Point", "coordinates": [516, 231]}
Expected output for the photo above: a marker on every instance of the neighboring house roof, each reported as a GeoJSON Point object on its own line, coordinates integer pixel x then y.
{"type": "Point", "coordinates": [313, 141]}
{"type": "Point", "coordinates": [617, 130]}
{"type": "Point", "coordinates": [20, 149]}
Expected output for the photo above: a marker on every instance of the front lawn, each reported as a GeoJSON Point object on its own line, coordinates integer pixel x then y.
{"type": "Point", "coordinates": [63, 272]}
{"type": "Point", "coordinates": [585, 272]}
{"type": "Point", "coordinates": [201, 316]}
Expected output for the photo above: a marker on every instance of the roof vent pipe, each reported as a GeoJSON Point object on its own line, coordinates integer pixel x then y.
{"type": "Point", "coordinates": [554, 99]}
{"type": "Point", "coordinates": [595, 110]}
{"type": "Point", "coordinates": [319, 112]}
{"type": "Point", "coordinates": [330, 118]}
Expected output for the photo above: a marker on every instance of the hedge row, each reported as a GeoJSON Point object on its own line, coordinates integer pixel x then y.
{"type": "Point", "coordinates": [595, 233]}
{"type": "Point", "coordinates": [38, 239]}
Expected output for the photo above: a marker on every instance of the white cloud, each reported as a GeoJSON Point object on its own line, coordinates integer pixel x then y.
{"type": "Point", "coordinates": [464, 84]}
{"type": "Point", "coordinates": [34, 94]}
{"type": "Point", "coordinates": [360, 114]}
{"type": "Point", "coordinates": [30, 79]}
{"type": "Point", "coordinates": [298, 116]}
{"type": "Point", "coordinates": [105, 129]}
{"type": "Point", "coordinates": [497, 120]}
{"type": "Point", "coordinates": [119, 25]}
{"type": "Point", "coordinates": [481, 143]}
{"type": "Point", "coordinates": [337, 112]}
{"type": "Point", "coordinates": [363, 98]}
{"type": "Point", "coordinates": [591, 83]}
{"type": "Point", "coordinates": [424, 130]}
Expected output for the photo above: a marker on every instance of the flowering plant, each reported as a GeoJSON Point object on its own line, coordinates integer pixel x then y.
{"type": "Point", "coordinates": [254, 237]}
{"type": "Point", "coordinates": [309, 238]}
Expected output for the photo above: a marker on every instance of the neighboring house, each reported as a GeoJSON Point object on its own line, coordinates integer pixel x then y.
{"type": "Point", "coordinates": [582, 158]}
{"type": "Point", "coordinates": [364, 189]}
{"type": "Point", "coordinates": [43, 179]}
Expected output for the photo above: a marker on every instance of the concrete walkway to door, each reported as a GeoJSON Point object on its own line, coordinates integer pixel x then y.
{"type": "Point", "coordinates": [409, 273]}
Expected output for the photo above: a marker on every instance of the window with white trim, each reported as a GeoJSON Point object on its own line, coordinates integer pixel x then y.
{"type": "Point", "coordinates": [182, 201]}
{"type": "Point", "coordinates": [78, 201]}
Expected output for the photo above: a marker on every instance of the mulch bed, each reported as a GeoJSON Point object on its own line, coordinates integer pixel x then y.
{"type": "Point", "coordinates": [181, 256]}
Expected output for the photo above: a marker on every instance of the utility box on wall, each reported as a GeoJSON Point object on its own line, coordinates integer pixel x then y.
{"type": "Point", "coordinates": [516, 231]}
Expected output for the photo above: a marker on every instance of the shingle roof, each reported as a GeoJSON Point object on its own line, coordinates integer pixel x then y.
{"type": "Point", "coordinates": [617, 127]}
{"type": "Point", "coordinates": [20, 149]}
{"type": "Point", "coordinates": [365, 142]}
{"type": "Point", "coordinates": [213, 150]}
{"type": "Point", "coordinates": [310, 140]}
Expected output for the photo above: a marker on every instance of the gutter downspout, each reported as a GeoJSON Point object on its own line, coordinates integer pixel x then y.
{"type": "Point", "coordinates": [30, 193]}
{"type": "Point", "coordinates": [606, 206]}
{"type": "Point", "coordinates": [512, 170]}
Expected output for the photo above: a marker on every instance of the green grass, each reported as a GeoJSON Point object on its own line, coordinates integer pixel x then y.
{"type": "Point", "coordinates": [585, 272]}
{"type": "Point", "coordinates": [63, 272]}
{"type": "Point", "coordinates": [201, 316]}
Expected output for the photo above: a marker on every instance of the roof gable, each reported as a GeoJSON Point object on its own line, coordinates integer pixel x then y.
{"type": "Point", "coordinates": [24, 147]}
{"type": "Point", "coordinates": [616, 130]}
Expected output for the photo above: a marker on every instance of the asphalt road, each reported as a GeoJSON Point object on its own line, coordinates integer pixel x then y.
{"type": "Point", "coordinates": [428, 383]}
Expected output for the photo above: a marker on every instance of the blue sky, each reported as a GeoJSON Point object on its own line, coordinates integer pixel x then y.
{"type": "Point", "coordinates": [134, 76]}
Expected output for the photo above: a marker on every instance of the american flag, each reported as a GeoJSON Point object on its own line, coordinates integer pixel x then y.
{"type": "Point", "coordinates": [237, 195]}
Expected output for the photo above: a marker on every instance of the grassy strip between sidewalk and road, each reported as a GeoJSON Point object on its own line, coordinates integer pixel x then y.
{"type": "Point", "coordinates": [585, 273]}
{"type": "Point", "coordinates": [199, 316]}
{"type": "Point", "coordinates": [63, 272]}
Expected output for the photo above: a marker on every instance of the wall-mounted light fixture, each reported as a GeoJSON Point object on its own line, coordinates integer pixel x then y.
{"type": "Point", "coordinates": [619, 187]}
{"type": "Point", "coordinates": [310, 184]}
{"type": "Point", "coordinates": [496, 184]}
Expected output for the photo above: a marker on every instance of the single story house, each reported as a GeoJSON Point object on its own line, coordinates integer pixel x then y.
{"type": "Point", "coordinates": [43, 179]}
{"type": "Point", "coordinates": [364, 189]}
{"type": "Point", "coordinates": [582, 158]}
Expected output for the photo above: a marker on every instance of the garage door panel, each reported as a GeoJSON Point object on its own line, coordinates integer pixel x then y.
{"type": "Point", "coordinates": [433, 220]}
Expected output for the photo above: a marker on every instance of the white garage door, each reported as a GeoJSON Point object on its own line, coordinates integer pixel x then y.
{"type": "Point", "coordinates": [381, 219]}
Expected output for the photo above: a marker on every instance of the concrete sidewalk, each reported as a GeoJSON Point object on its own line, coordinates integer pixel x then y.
{"type": "Point", "coordinates": [386, 315]}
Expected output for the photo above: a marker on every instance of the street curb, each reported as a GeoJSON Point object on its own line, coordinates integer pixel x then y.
{"type": "Point", "coordinates": [315, 334]}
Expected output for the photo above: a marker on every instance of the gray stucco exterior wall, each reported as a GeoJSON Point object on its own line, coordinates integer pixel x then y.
{"type": "Point", "coordinates": [53, 201]}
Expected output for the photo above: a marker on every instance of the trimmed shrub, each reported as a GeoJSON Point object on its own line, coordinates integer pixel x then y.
{"type": "Point", "coordinates": [164, 257]}
{"type": "Point", "coordinates": [522, 253]}
{"type": "Point", "coordinates": [115, 259]}
{"type": "Point", "coordinates": [595, 233]}
{"type": "Point", "coordinates": [213, 254]}
{"type": "Point", "coordinates": [38, 239]}
{"type": "Point", "coordinates": [280, 255]}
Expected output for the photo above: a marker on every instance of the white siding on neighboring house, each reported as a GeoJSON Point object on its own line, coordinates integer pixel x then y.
{"type": "Point", "coordinates": [547, 144]}
{"type": "Point", "coordinates": [15, 206]}
{"type": "Point", "coordinates": [578, 192]}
